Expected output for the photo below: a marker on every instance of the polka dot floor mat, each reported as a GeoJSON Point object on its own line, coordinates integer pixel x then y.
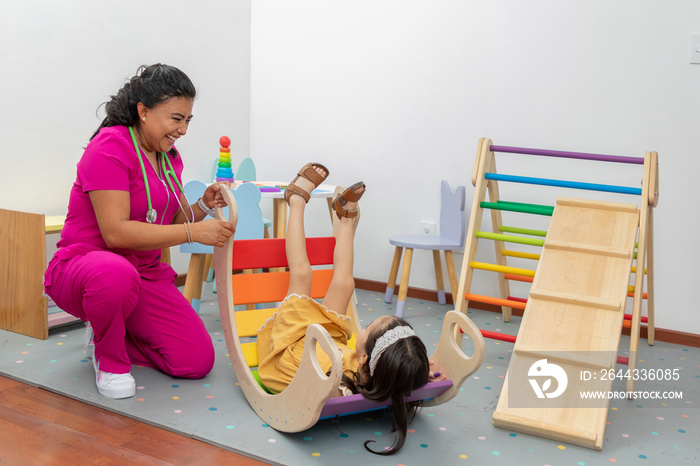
{"type": "Point", "coordinates": [459, 432]}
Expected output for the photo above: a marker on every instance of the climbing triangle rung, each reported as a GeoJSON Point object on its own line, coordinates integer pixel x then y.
{"type": "Point", "coordinates": [520, 254]}
{"type": "Point", "coordinates": [495, 301]}
{"type": "Point", "coordinates": [523, 231]}
{"type": "Point", "coordinates": [564, 183]}
{"type": "Point", "coordinates": [518, 207]}
{"type": "Point", "coordinates": [567, 154]}
{"type": "Point", "coordinates": [519, 278]}
{"type": "Point", "coordinates": [509, 238]}
{"type": "Point", "coordinates": [502, 268]}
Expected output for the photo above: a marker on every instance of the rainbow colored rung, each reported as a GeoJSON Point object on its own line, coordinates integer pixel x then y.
{"type": "Point", "coordinates": [518, 207]}
{"type": "Point", "coordinates": [520, 254]}
{"type": "Point", "coordinates": [564, 184]}
{"type": "Point", "coordinates": [523, 231]}
{"type": "Point", "coordinates": [515, 298]}
{"type": "Point", "coordinates": [498, 336]}
{"type": "Point", "coordinates": [512, 339]}
{"type": "Point", "coordinates": [569, 155]}
{"type": "Point", "coordinates": [519, 278]}
{"type": "Point", "coordinates": [509, 238]}
{"type": "Point", "coordinates": [495, 301]}
{"type": "Point", "coordinates": [502, 269]}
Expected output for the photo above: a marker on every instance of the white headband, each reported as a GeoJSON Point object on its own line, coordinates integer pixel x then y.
{"type": "Point", "coordinates": [389, 338]}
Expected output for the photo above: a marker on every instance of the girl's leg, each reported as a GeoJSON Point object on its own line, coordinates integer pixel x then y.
{"type": "Point", "coordinates": [300, 274]}
{"type": "Point", "coordinates": [343, 284]}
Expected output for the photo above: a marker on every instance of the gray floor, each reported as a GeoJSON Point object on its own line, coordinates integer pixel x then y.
{"type": "Point", "coordinates": [459, 432]}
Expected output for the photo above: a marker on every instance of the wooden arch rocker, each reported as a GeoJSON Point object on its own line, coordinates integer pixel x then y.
{"type": "Point", "coordinates": [308, 397]}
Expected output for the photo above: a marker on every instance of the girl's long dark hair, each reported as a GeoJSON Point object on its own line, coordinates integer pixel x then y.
{"type": "Point", "coordinates": [152, 85]}
{"type": "Point", "coordinates": [402, 367]}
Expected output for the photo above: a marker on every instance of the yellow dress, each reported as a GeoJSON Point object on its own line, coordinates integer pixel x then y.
{"type": "Point", "coordinates": [281, 341]}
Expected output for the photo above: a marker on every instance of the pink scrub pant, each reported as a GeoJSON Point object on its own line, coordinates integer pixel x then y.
{"type": "Point", "coordinates": [135, 320]}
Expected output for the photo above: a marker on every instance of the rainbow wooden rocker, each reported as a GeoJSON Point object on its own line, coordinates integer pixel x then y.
{"type": "Point", "coordinates": [308, 397]}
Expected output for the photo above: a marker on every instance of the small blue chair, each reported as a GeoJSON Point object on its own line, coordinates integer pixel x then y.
{"type": "Point", "coordinates": [246, 172]}
{"type": "Point", "coordinates": [451, 238]}
{"type": "Point", "coordinates": [250, 226]}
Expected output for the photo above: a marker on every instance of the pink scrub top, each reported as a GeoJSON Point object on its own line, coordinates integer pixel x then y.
{"type": "Point", "coordinates": [110, 163]}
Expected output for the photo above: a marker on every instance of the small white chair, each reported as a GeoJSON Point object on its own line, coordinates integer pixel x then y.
{"type": "Point", "coordinates": [451, 238]}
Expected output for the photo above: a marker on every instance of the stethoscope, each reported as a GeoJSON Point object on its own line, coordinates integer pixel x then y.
{"type": "Point", "coordinates": [169, 173]}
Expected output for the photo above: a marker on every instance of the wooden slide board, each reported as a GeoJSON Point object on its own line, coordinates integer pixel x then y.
{"type": "Point", "coordinates": [576, 305]}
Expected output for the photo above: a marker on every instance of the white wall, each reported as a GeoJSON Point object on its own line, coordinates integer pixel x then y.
{"type": "Point", "coordinates": [60, 60]}
{"type": "Point", "coordinates": [398, 92]}
{"type": "Point", "coordinates": [393, 92]}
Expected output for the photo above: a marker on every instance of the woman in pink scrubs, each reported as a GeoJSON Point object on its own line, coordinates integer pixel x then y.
{"type": "Point", "coordinates": [125, 206]}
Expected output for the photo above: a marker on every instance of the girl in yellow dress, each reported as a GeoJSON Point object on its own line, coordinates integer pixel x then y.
{"type": "Point", "coordinates": [389, 360]}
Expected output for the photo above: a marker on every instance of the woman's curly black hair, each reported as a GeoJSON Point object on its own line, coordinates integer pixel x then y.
{"type": "Point", "coordinates": [152, 85]}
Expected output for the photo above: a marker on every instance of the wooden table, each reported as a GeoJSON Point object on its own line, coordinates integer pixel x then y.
{"type": "Point", "coordinates": [279, 205]}
{"type": "Point", "coordinates": [53, 225]}
{"type": "Point", "coordinates": [23, 305]}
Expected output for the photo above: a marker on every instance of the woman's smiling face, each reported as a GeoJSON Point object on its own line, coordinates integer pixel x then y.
{"type": "Point", "coordinates": [165, 123]}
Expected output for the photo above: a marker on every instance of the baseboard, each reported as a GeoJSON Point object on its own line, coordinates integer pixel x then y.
{"type": "Point", "coordinates": [660, 334]}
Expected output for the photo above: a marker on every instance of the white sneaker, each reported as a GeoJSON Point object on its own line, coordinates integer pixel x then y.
{"type": "Point", "coordinates": [114, 385]}
{"type": "Point", "coordinates": [89, 341]}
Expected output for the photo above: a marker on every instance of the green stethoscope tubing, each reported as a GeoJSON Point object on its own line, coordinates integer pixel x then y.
{"type": "Point", "coordinates": [171, 172]}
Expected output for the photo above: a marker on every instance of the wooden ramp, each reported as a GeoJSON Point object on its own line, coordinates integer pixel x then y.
{"type": "Point", "coordinates": [573, 320]}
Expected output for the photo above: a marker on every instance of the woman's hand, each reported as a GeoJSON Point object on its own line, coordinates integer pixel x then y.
{"type": "Point", "coordinates": [212, 197]}
{"type": "Point", "coordinates": [212, 232]}
{"type": "Point", "coordinates": [434, 376]}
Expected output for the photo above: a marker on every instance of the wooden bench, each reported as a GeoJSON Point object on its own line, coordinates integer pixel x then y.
{"type": "Point", "coordinates": [23, 305]}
